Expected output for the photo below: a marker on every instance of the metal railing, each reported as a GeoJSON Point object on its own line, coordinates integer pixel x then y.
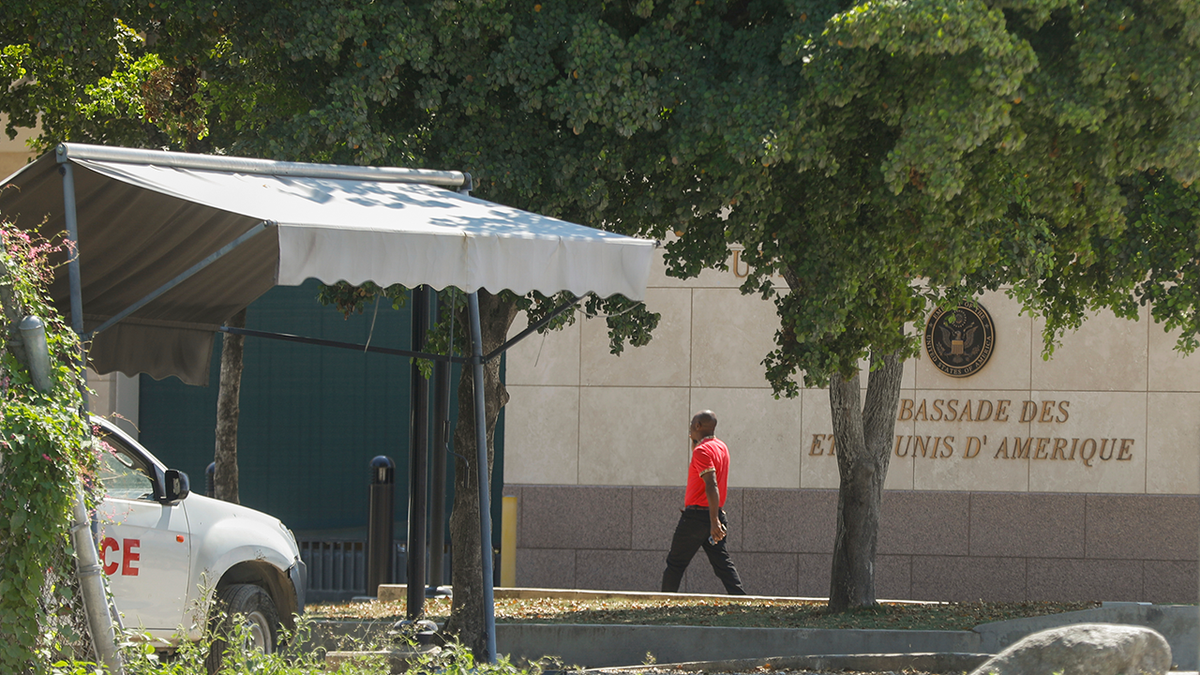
{"type": "Point", "coordinates": [337, 569]}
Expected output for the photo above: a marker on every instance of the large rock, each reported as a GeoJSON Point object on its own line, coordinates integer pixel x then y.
{"type": "Point", "coordinates": [1084, 649]}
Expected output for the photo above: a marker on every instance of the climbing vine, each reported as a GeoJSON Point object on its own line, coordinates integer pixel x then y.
{"type": "Point", "coordinates": [42, 456]}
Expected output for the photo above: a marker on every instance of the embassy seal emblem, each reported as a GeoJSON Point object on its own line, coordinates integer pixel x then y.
{"type": "Point", "coordinates": [960, 341]}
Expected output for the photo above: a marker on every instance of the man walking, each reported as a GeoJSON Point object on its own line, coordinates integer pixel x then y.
{"type": "Point", "coordinates": [703, 522]}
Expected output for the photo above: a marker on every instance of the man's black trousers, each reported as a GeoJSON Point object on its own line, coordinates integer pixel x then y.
{"type": "Point", "coordinates": [691, 533]}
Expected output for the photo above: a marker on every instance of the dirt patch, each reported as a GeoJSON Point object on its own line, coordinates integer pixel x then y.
{"type": "Point", "coordinates": [708, 611]}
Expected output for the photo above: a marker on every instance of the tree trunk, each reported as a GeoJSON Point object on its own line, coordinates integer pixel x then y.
{"type": "Point", "coordinates": [863, 438]}
{"type": "Point", "coordinates": [466, 611]}
{"type": "Point", "coordinates": [225, 479]}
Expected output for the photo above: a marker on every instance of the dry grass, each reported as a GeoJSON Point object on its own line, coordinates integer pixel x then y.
{"type": "Point", "coordinates": [708, 611]}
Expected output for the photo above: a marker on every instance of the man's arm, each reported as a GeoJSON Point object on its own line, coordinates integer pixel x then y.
{"type": "Point", "coordinates": [716, 529]}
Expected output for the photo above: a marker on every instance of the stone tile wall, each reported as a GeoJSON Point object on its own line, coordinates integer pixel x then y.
{"type": "Point", "coordinates": [933, 545]}
{"type": "Point", "coordinates": [14, 154]}
{"type": "Point", "coordinates": [1070, 477]}
{"type": "Point", "coordinates": [1118, 408]}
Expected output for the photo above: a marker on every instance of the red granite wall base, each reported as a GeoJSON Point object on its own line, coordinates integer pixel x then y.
{"type": "Point", "coordinates": [951, 546]}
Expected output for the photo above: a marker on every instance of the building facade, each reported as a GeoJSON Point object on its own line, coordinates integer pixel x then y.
{"type": "Point", "coordinates": [1027, 479]}
{"type": "Point", "coordinates": [14, 153]}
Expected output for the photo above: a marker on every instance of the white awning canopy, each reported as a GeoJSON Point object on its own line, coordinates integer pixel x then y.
{"type": "Point", "coordinates": [146, 218]}
{"type": "Point", "coordinates": [171, 245]}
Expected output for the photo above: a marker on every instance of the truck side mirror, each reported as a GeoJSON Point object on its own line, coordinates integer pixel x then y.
{"type": "Point", "coordinates": [177, 486]}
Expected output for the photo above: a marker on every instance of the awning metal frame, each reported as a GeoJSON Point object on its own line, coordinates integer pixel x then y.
{"type": "Point", "coordinates": [554, 314]}
{"type": "Point", "coordinates": [66, 153]}
{"type": "Point", "coordinates": [321, 342]}
{"type": "Point", "coordinates": [184, 276]}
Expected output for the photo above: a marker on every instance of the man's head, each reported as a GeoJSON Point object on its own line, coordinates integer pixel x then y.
{"type": "Point", "coordinates": [704, 424]}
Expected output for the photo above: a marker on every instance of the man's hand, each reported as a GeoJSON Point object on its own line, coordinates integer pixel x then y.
{"type": "Point", "coordinates": [716, 529]}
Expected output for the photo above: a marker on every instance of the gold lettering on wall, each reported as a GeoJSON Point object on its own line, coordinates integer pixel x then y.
{"type": "Point", "coordinates": [1082, 450]}
{"type": "Point", "coordinates": [818, 445]}
{"type": "Point", "coordinates": [983, 410]}
{"type": "Point", "coordinates": [1090, 452]}
{"type": "Point", "coordinates": [1028, 411]}
{"type": "Point", "coordinates": [739, 264]}
{"type": "Point", "coordinates": [1089, 449]}
{"type": "Point", "coordinates": [1002, 410]}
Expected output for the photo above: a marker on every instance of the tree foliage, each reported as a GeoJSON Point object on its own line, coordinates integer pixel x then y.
{"type": "Point", "coordinates": [877, 157]}
{"type": "Point", "coordinates": [850, 147]}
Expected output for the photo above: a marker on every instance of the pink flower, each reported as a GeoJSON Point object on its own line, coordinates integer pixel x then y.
{"type": "Point", "coordinates": [46, 457]}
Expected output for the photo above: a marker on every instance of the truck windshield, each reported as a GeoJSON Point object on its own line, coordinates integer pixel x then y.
{"type": "Point", "coordinates": [121, 474]}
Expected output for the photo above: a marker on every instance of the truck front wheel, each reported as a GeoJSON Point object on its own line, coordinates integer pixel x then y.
{"type": "Point", "coordinates": [246, 603]}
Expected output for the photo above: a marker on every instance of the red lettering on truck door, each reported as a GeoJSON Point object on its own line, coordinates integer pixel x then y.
{"type": "Point", "coordinates": [127, 568]}
{"type": "Point", "coordinates": [109, 543]}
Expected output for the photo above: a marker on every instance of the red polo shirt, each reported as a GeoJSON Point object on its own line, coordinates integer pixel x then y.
{"type": "Point", "coordinates": [710, 455]}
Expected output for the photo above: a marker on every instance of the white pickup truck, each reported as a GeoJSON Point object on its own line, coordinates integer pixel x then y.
{"type": "Point", "coordinates": [167, 552]}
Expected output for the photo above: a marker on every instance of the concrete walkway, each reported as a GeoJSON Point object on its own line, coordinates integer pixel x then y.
{"type": "Point", "coordinates": [609, 646]}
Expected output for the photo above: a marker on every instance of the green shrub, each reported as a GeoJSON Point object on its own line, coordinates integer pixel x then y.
{"type": "Point", "coordinates": [297, 659]}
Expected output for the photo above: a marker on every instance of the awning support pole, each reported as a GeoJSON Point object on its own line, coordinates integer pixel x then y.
{"type": "Point", "coordinates": [537, 326]}
{"type": "Point", "coordinates": [418, 456]}
{"type": "Point", "coordinates": [87, 565]}
{"type": "Point", "coordinates": [485, 515]}
{"type": "Point", "coordinates": [73, 276]}
{"type": "Point", "coordinates": [441, 447]}
{"type": "Point", "coordinates": [191, 271]}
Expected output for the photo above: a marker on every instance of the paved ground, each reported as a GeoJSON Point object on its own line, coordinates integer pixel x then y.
{"type": "Point", "coordinates": [905, 671]}
{"type": "Point", "coordinates": [788, 672]}
{"type": "Point", "coordinates": [609, 648]}
{"type": "Point", "coordinates": [617, 646]}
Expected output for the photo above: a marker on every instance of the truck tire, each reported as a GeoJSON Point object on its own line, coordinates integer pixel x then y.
{"type": "Point", "coordinates": [242, 602]}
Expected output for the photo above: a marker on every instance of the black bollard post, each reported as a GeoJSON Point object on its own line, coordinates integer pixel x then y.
{"type": "Point", "coordinates": [210, 480]}
{"type": "Point", "coordinates": [380, 517]}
